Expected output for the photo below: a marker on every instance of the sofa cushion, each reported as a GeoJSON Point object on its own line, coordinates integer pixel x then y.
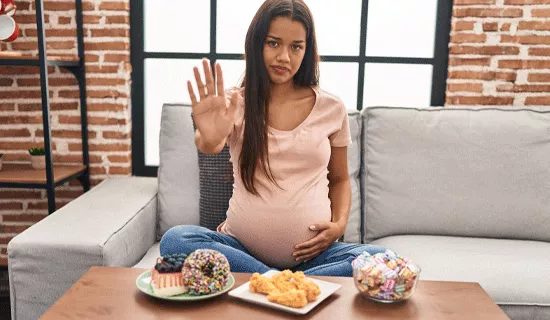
{"type": "Point", "coordinates": [150, 257]}
{"type": "Point", "coordinates": [517, 312]}
{"type": "Point", "coordinates": [513, 272]}
{"type": "Point", "coordinates": [216, 187]}
{"type": "Point", "coordinates": [178, 173]}
{"type": "Point", "coordinates": [458, 171]}
{"type": "Point", "coordinates": [353, 230]}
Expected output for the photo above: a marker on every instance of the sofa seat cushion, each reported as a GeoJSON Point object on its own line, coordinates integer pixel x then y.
{"type": "Point", "coordinates": [150, 258]}
{"type": "Point", "coordinates": [512, 272]}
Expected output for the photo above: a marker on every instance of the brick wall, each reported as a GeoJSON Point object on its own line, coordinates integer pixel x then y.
{"type": "Point", "coordinates": [500, 53]}
{"type": "Point", "coordinates": [107, 43]}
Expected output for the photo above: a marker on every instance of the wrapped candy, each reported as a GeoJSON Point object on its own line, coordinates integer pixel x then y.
{"type": "Point", "coordinates": [385, 277]}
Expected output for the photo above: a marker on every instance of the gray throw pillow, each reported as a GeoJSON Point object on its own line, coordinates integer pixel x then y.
{"type": "Point", "coordinates": [216, 187]}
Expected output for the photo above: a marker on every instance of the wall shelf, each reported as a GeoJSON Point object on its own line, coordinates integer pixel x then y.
{"type": "Point", "coordinates": [23, 176]}
{"type": "Point", "coordinates": [18, 59]}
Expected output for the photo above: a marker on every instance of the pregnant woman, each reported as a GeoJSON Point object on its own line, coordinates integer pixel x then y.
{"type": "Point", "coordinates": [288, 143]}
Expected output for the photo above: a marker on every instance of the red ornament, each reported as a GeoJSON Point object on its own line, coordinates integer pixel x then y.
{"type": "Point", "coordinates": [7, 7]}
{"type": "Point", "coordinates": [9, 30]}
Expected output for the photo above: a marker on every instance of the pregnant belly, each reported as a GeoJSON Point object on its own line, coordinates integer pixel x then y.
{"type": "Point", "coordinates": [270, 235]}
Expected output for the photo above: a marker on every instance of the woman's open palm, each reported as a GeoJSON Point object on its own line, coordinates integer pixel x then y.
{"type": "Point", "coordinates": [213, 115]}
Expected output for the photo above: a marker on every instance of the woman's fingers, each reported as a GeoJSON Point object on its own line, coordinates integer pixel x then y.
{"type": "Point", "coordinates": [310, 256]}
{"type": "Point", "coordinates": [191, 93]}
{"type": "Point", "coordinates": [219, 80]}
{"type": "Point", "coordinates": [300, 254]}
{"type": "Point", "coordinates": [210, 89]}
{"type": "Point", "coordinates": [200, 85]}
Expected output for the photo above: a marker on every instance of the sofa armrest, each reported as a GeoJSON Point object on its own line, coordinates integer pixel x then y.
{"type": "Point", "coordinates": [111, 225]}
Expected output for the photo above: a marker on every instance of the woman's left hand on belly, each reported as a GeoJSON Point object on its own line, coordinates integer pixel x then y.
{"type": "Point", "coordinates": [328, 232]}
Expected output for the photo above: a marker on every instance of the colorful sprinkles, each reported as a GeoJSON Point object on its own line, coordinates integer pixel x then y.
{"type": "Point", "coordinates": [205, 271]}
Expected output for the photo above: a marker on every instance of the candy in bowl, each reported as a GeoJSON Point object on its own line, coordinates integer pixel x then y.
{"type": "Point", "coordinates": [385, 277]}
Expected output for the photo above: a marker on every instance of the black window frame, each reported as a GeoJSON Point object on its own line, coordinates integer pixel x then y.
{"type": "Point", "coordinates": [138, 56]}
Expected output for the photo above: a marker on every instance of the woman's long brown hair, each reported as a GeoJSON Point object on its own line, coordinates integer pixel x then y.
{"type": "Point", "coordinates": [256, 83]}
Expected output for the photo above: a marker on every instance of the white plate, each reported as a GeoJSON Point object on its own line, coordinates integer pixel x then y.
{"type": "Point", "coordinates": [242, 292]}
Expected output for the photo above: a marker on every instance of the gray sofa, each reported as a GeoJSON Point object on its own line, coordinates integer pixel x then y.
{"type": "Point", "coordinates": [465, 192]}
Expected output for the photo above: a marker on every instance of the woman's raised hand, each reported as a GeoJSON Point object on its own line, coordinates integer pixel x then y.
{"type": "Point", "coordinates": [213, 115]}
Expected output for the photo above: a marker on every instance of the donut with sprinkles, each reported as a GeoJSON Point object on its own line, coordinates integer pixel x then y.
{"type": "Point", "coordinates": [205, 271]}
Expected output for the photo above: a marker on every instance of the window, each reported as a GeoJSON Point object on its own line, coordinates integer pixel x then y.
{"type": "Point", "coordinates": [373, 52]}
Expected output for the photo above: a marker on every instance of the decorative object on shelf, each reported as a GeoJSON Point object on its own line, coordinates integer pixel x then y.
{"type": "Point", "coordinates": [1, 161]}
{"type": "Point", "coordinates": [7, 7]}
{"type": "Point", "coordinates": [9, 29]}
{"type": "Point", "coordinates": [38, 158]}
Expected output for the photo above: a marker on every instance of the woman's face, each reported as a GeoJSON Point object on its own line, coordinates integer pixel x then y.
{"type": "Point", "coordinates": [284, 49]}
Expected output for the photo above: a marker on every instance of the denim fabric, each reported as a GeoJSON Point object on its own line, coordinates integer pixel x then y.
{"type": "Point", "coordinates": [335, 261]}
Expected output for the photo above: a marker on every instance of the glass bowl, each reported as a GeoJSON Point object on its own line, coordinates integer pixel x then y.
{"type": "Point", "coordinates": [385, 277]}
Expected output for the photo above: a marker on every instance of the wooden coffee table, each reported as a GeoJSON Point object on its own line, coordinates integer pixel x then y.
{"type": "Point", "coordinates": [111, 293]}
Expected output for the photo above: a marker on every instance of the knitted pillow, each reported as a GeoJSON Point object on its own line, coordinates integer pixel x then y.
{"type": "Point", "coordinates": [215, 187]}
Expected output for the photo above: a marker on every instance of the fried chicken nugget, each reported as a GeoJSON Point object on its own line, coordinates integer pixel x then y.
{"type": "Point", "coordinates": [293, 298]}
{"type": "Point", "coordinates": [311, 289]}
{"type": "Point", "coordinates": [282, 281]}
{"type": "Point", "coordinates": [285, 275]}
{"type": "Point", "coordinates": [286, 288]}
{"type": "Point", "coordinates": [261, 284]}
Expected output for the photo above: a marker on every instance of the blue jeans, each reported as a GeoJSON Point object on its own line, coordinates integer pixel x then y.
{"type": "Point", "coordinates": [335, 261]}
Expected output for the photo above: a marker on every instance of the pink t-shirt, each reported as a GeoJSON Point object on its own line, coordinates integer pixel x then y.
{"type": "Point", "coordinates": [271, 224]}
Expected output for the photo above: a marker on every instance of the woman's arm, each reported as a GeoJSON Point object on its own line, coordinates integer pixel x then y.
{"type": "Point", "coordinates": [205, 147]}
{"type": "Point", "coordinates": [339, 187]}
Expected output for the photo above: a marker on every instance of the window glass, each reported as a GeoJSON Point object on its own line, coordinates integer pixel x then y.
{"type": "Point", "coordinates": [167, 31]}
{"type": "Point", "coordinates": [389, 84]}
{"type": "Point", "coordinates": [165, 82]}
{"type": "Point", "coordinates": [401, 28]}
{"type": "Point", "coordinates": [340, 79]}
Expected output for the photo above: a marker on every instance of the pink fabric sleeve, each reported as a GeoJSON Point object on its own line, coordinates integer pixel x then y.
{"type": "Point", "coordinates": [240, 112]}
{"type": "Point", "coordinates": [342, 137]}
